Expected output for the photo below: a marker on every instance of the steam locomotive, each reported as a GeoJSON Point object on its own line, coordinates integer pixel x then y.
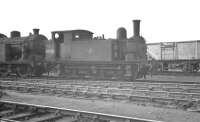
{"type": "Point", "coordinates": [73, 54]}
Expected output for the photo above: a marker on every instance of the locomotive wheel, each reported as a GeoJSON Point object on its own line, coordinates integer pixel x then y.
{"type": "Point", "coordinates": [39, 69]}
{"type": "Point", "coordinates": [23, 71]}
{"type": "Point", "coordinates": [5, 71]}
{"type": "Point", "coordinates": [4, 74]}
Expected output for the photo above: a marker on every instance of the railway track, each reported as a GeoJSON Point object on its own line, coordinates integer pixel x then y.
{"type": "Point", "coordinates": [51, 78]}
{"type": "Point", "coordinates": [177, 73]}
{"type": "Point", "coordinates": [193, 87]}
{"type": "Point", "coordinates": [23, 112]}
{"type": "Point", "coordinates": [159, 93]}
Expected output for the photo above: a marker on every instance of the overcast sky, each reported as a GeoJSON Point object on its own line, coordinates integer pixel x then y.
{"type": "Point", "coordinates": [161, 20]}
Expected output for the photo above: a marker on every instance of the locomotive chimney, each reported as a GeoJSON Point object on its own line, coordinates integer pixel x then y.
{"type": "Point", "coordinates": [36, 31]}
{"type": "Point", "coordinates": [14, 34]}
{"type": "Point", "coordinates": [136, 27]}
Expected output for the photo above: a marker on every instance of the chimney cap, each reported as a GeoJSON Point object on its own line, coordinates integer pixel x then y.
{"type": "Point", "coordinates": [36, 31]}
{"type": "Point", "coordinates": [15, 34]}
{"type": "Point", "coordinates": [136, 20]}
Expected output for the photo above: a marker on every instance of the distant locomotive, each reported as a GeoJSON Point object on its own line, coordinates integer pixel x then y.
{"type": "Point", "coordinates": [22, 55]}
{"type": "Point", "coordinates": [74, 54]}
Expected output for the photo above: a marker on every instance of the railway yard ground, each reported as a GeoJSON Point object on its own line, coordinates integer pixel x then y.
{"type": "Point", "coordinates": [174, 78]}
{"type": "Point", "coordinates": [161, 98]}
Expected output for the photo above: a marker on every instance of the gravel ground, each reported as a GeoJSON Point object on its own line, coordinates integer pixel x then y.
{"type": "Point", "coordinates": [110, 107]}
{"type": "Point", "coordinates": [173, 78]}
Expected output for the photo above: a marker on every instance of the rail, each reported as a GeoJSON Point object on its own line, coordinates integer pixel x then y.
{"type": "Point", "coordinates": [61, 113]}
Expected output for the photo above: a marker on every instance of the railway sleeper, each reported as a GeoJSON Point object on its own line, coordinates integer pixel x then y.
{"type": "Point", "coordinates": [11, 87]}
{"type": "Point", "coordinates": [52, 117]}
{"type": "Point", "coordinates": [140, 92]}
{"type": "Point", "coordinates": [140, 87]}
{"type": "Point", "coordinates": [173, 89]}
{"type": "Point", "coordinates": [193, 90]}
{"type": "Point", "coordinates": [6, 82]}
{"type": "Point", "coordinates": [120, 96]}
{"type": "Point", "coordinates": [185, 104]}
{"type": "Point", "coordinates": [51, 86]}
{"type": "Point", "coordinates": [104, 95]}
{"type": "Point", "coordinates": [154, 84]}
{"type": "Point", "coordinates": [171, 101]}
{"type": "Point", "coordinates": [138, 84]}
{"type": "Point", "coordinates": [7, 112]}
{"type": "Point", "coordinates": [34, 90]}
{"type": "Point", "coordinates": [27, 116]}
{"type": "Point", "coordinates": [125, 85]}
{"type": "Point", "coordinates": [195, 96]}
{"type": "Point", "coordinates": [22, 89]}
{"type": "Point", "coordinates": [139, 98]}
{"type": "Point", "coordinates": [68, 92]}
{"type": "Point", "coordinates": [155, 88]}
{"type": "Point", "coordinates": [7, 120]}
{"type": "Point", "coordinates": [4, 87]}
{"type": "Point", "coordinates": [19, 116]}
{"type": "Point", "coordinates": [180, 95]}
{"type": "Point", "coordinates": [21, 113]}
{"type": "Point", "coordinates": [179, 101]}
{"type": "Point", "coordinates": [10, 110]}
{"type": "Point", "coordinates": [187, 86]}
{"type": "Point", "coordinates": [92, 94]}
{"type": "Point", "coordinates": [45, 91]}
{"type": "Point", "coordinates": [55, 91]}
{"type": "Point", "coordinates": [80, 93]}
{"type": "Point", "coordinates": [126, 91]}
{"type": "Point", "coordinates": [162, 101]}
{"type": "Point", "coordinates": [169, 85]}
{"type": "Point", "coordinates": [64, 86]}
{"type": "Point", "coordinates": [157, 94]}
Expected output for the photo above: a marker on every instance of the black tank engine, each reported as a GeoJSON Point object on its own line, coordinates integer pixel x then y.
{"type": "Point", "coordinates": [21, 55]}
{"type": "Point", "coordinates": [73, 54]}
